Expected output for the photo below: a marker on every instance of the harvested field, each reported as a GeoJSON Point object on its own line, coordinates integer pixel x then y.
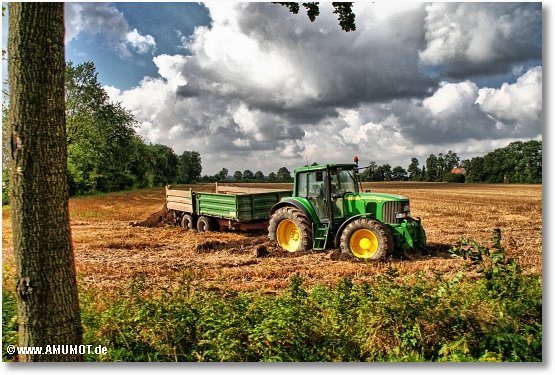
{"type": "Point", "coordinates": [110, 251]}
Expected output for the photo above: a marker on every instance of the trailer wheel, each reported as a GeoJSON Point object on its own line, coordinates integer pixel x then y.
{"type": "Point", "coordinates": [367, 239]}
{"type": "Point", "coordinates": [188, 222]}
{"type": "Point", "coordinates": [206, 224]}
{"type": "Point", "coordinates": [290, 228]}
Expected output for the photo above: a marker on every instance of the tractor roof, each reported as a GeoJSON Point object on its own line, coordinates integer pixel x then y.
{"type": "Point", "coordinates": [319, 167]}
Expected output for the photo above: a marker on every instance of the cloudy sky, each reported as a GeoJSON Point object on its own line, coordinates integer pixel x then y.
{"type": "Point", "coordinates": [252, 86]}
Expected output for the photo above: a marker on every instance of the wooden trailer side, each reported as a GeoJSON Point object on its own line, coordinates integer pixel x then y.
{"type": "Point", "coordinates": [180, 200]}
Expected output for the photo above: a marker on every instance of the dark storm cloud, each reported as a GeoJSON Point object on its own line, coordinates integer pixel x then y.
{"type": "Point", "coordinates": [328, 68]}
{"type": "Point", "coordinates": [376, 63]}
{"type": "Point", "coordinates": [187, 91]}
{"type": "Point", "coordinates": [422, 127]}
{"type": "Point", "coordinates": [473, 39]}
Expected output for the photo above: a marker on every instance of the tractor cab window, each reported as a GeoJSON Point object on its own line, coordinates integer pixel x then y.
{"type": "Point", "coordinates": [316, 184]}
{"type": "Point", "coordinates": [302, 185]}
{"type": "Point", "coordinates": [343, 181]}
{"type": "Point", "coordinates": [312, 186]}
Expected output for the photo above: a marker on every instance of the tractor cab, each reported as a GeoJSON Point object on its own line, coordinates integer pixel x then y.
{"type": "Point", "coordinates": [325, 187]}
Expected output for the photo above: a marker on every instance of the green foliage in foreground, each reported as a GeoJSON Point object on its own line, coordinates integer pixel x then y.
{"type": "Point", "coordinates": [496, 316]}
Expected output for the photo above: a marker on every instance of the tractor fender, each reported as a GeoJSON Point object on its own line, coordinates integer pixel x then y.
{"type": "Point", "coordinates": [300, 203]}
{"type": "Point", "coordinates": [346, 222]}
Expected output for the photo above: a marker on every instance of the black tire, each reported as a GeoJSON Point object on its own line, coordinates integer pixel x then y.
{"type": "Point", "coordinates": [206, 224]}
{"type": "Point", "coordinates": [367, 239]}
{"type": "Point", "coordinates": [188, 222]}
{"type": "Point", "coordinates": [291, 229]}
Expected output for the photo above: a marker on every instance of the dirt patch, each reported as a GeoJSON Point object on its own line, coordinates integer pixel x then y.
{"type": "Point", "coordinates": [210, 246]}
{"type": "Point", "coordinates": [337, 254]}
{"type": "Point", "coordinates": [261, 251]}
{"type": "Point", "coordinates": [160, 218]}
{"type": "Point", "coordinates": [258, 247]}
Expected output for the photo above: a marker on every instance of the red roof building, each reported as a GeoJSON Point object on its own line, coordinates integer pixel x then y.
{"type": "Point", "coordinates": [458, 170]}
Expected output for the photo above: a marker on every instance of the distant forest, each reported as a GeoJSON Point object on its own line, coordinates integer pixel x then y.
{"type": "Point", "coordinates": [519, 162]}
{"type": "Point", "coordinates": [106, 154]}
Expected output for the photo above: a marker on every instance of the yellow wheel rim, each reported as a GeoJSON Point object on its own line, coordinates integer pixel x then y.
{"type": "Point", "coordinates": [363, 243]}
{"type": "Point", "coordinates": [288, 235]}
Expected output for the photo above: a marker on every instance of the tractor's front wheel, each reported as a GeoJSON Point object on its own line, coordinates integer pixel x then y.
{"type": "Point", "coordinates": [290, 228]}
{"type": "Point", "coordinates": [367, 239]}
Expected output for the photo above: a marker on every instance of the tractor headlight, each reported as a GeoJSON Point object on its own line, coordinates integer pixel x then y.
{"type": "Point", "coordinates": [404, 214]}
{"type": "Point", "coordinates": [394, 212]}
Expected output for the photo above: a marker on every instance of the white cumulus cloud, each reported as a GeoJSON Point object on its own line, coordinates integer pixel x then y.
{"type": "Point", "coordinates": [104, 18]}
{"type": "Point", "coordinates": [140, 43]}
{"type": "Point", "coordinates": [518, 105]}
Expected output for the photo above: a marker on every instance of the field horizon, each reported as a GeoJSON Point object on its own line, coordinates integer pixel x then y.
{"type": "Point", "coordinates": [109, 251]}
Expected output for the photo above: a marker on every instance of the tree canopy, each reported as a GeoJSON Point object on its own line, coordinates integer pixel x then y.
{"type": "Point", "coordinates": [346, 17]}
{"type": "Point", "coordinates": [100, 135]}
{"type": "Point", "coordinates": [104, 151]}
{"type": "Point", "coordinates": [519, 162]}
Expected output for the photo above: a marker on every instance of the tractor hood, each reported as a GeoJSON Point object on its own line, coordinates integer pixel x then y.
{"type": "Point", "coordinates": [388, 208]}
{"type": "Point", "coordinates": [376, 197]}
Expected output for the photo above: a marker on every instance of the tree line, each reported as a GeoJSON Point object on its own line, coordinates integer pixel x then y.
{"type": "Point", "coordinates": [104, 152]}
{"type": "Point", "coordinates": [519, 162]}
{"type": "Point", "coordinates": [282, 175]}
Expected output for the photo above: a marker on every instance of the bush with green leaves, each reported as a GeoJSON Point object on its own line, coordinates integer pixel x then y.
{"type": "Point", "coordinates": [453, 177]}
{"type": "Point", "coordinates": [9, 324]}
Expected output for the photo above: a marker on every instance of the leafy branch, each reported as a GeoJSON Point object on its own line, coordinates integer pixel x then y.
{"type": "Point", "coordinates": [346, 17]}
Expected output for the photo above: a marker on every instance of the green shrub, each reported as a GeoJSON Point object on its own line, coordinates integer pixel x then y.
{"type": "Point", "coordinates": [417, 318]}
{"type": "Point", "coordinates": [5, 188]}
{"type": "Point", "coordinates": [9, 324]}
{"type": "Point", "coordinates": [454, 177]}
{"type": "Point", "coordinates": [516, 301]}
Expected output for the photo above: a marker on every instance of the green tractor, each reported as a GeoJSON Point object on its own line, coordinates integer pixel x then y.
{"type": "Point", "coordinates": [328, 210]}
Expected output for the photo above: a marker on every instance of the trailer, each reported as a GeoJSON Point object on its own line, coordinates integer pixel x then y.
{"type": "Point", "coordinates": [223, 207]}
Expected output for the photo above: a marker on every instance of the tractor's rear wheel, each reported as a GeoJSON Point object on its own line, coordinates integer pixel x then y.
{"type": "Point", "coordinates": [290, 228]}
{"type": "Point", "coordinates": [206, 224]}
{"type": "Point", "coordinates": [367, 239]}
{"type": "Point", "coordinates": [188, 222]}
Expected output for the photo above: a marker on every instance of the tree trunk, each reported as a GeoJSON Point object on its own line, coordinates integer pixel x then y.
{"type": "Point", "coordinates": [47, 298]}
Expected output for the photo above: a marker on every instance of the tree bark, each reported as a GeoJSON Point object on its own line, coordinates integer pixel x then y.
{"type": "Point", "coordinates": [47, 297]}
